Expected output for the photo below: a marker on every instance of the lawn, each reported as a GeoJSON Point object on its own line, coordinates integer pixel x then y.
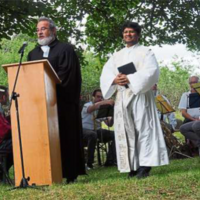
{"type": "Point", "coordinates": [179, 180]}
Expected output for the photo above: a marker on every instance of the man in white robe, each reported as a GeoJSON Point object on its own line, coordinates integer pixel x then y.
{"type": "Point", "coordinates": [139, 138]}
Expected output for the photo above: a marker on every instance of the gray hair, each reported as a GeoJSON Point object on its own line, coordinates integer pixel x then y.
{"type": "Point", "coordinates": [52, 25]}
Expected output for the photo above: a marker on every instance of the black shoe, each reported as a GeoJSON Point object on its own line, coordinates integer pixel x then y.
{"type": "Point", "coordinates": [90, 166]}
{"type": "Point", "coordinates": [132, 174]}
{"type": "Point", "coordinates": [109, 164]}
{"type": "Point", "coordinates": [143, 172]}
{"type": "Point", "coordinates": [71, 180]}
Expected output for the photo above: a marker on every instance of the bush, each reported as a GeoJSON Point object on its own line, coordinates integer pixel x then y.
{"type": "Point", "coordinates": [9, 53]}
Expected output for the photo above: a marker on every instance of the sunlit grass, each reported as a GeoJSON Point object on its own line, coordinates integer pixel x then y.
{"type": "Point", "coordinates": [179, 180]}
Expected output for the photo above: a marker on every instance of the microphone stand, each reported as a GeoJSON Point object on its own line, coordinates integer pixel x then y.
{"type": "Point", "coordinates": [15, 96]}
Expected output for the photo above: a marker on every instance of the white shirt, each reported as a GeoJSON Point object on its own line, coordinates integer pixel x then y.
{"type": "Point", "coordinates": [88, 119]}
{"type": "Point", "coordinates": [45, 50]}
{"type": "Point", "coordinates": [184, 102]}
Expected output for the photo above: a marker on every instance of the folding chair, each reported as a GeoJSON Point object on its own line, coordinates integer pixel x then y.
{"type": "Point", "coordinates": [101, 151]}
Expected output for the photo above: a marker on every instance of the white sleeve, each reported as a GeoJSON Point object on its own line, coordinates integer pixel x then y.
{"type": "Point", "coordinates": [183, 104]}
{"type": "Point", "coordinates": [107, 78]}
{"type": "Point", "coordinates": [144, 79]}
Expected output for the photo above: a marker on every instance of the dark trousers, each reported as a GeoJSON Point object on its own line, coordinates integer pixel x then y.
{"type": "Point", "coordinates": [191, 131]}
{"type": "Point", "coordinates": [7, 145]}
{"type": "Point", "coordinates": [90, 138]}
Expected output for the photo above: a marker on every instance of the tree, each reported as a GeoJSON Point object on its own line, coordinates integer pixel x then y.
{"type": "Point", "coordinates": [19, 16]}
{"type": "Point", "coordinates": [9, 53]}
{"type": "Point", "coordinates": [97, 22]}
{"type": "Point", "coordinates": [173, 82]}
{"type": "Point", "coordinates": [163, 21]}
{"type": "Point", "coordinates": [91, 72]}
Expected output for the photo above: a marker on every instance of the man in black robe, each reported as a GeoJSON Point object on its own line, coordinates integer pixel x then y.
{"type": "Point", "coordinates": [66, 64]}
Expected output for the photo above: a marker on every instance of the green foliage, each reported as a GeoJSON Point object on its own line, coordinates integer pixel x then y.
{"type": "Point", "coordinates": [97, 22]}
{"type": "Point", "coordinates": [91, 72]}
{"type": "Point", "coordinates": [9, 53]}
{"type": "Point", "coordinates": [18, 16]}
{"type": "Point", "coordinates": [173, 82]}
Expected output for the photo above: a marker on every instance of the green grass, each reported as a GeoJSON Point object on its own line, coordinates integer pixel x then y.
{"type": "Point", "coordinates": [179, 180]}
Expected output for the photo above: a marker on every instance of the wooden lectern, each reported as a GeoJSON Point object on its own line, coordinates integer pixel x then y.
{"type": "Point", "coordinates": [36, 86]}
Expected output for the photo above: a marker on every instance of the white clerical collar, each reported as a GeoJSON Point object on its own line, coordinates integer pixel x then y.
{"type": "Point", "coordinates": [45, 50]}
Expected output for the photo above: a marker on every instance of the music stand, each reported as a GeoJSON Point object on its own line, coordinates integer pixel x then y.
{"type": "Point", "coordinates": [163, 106]}
{"type": "Point", "coordinates": [104, 112]}
{"type": "Point", "coordinates": [171, 141]}
{"type": "Point", "coordinates": [196, 87]}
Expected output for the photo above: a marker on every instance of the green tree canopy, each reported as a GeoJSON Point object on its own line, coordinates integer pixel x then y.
{"type": "Point", "coordinates": [97, 22]}
{"type": "Point", "coordinates": [9, 53]}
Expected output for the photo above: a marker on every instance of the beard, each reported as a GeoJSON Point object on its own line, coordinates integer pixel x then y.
{"type": "Point", "coordinates": [46, 41]}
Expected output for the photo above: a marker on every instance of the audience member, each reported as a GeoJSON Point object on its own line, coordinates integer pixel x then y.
{"type": "Point", "coordinates": [5, 131]}
{"type": "Point", "coordinates": [191, 127]}
{"type": "Point", "coordinates": [92, 129]}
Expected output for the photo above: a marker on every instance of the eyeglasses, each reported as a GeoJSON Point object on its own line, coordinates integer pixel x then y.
{"type": "Point", "coordinates": [42, 29]}
{"type": "Point", "coordinates": [126, 32]}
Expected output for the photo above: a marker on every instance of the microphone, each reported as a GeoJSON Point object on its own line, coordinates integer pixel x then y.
{"type": "Point", "coordinates": [21, 50]}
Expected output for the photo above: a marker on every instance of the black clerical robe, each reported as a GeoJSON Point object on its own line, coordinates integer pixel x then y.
{"type": "Point", "coordinates": [65, 62]}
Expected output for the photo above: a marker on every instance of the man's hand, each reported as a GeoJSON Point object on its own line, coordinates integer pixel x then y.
{"type": "Point", "coordinates": [187, 116]}
{"type": "Point", "coordinates": [121, 79]}
{"type": "Point", "coordinates": [110, 102]}
{"type": "Point", "coordinates": [96, 106]}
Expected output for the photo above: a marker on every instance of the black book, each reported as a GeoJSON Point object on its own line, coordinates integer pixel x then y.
{"type": "Point", "coordinates": [127, 69]}
{"type": "Point", "coordinates": [105, 111]}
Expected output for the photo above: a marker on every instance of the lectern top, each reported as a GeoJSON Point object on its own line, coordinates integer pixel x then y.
{"type": "Point", "coordinates": [46, 63]}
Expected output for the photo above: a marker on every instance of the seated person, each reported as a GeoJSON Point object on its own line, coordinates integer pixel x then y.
{"type": "Point", "coordinates": [92, 129]}
{"type": "Point", "coordinates": [191, 131]}
{"type": "Point", "coordinates": [168, 118]}
{"type": "Point", "coordinates": [5, 131]}
{"type": "Point", "coordinates": [190, 127]}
